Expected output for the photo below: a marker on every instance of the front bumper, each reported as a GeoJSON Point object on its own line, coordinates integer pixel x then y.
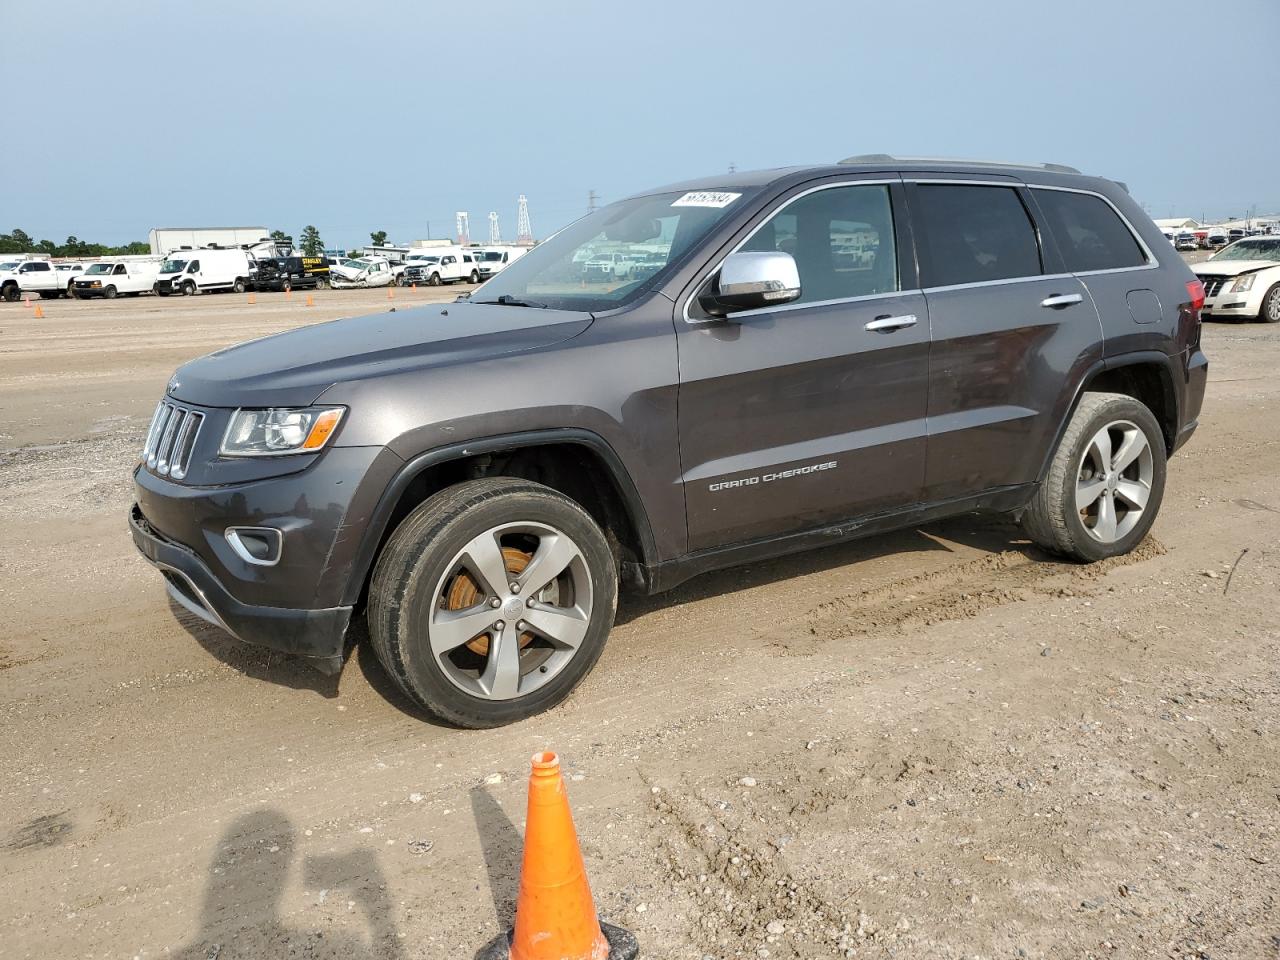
{"type": "Point", "coordinates": [319, 634]}
{"type": "Point", "coordinates": [1244, 304]}
{"type": "Point", "coordinates": [85, 293]}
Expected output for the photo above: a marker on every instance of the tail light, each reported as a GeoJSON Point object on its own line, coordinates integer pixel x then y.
{"type": "Point", "coordinates": [1195, 290]}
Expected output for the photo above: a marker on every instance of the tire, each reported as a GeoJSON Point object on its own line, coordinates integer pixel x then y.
{"type": "Point", "coordinates": [1054, 519]}
{"type": "Point", "coordinates": [1269, 312]}
{"type": "Point", "coordinates": [238, 286]}
{"type": "Point", "coordinates": [475, 276]}
{"type": "Point", "coordinates": [286, 286]}
{"type": "Point", "coordinates": [110, 292]}
{"type": "Point", "coordinates": [10, 293]}
{"type": "Point", "coordinates": [70, 292]}
{"type": "Point", "coordinates": [322, 284]}
{"type": "Point", "coordinates": [188, 289]}
{"type": "Point", "coordinates": [423, 567]}
{"type": "Point", "coordinates": [433, 281]}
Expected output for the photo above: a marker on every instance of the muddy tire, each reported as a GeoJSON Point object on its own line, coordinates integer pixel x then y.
{"type": "Point", "coordinates": [1105, 482]}
{"type": "Point", "coordinates": [492, 600]}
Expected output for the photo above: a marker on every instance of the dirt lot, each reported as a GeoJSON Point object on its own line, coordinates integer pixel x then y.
{"type": "Point", "coordinates": [931, 744]}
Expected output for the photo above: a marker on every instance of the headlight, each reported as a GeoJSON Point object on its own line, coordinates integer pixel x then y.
{"type": "Point", "coordinates": [267, 433]}
{"type": "Point", "coordinates": [1244, 283]}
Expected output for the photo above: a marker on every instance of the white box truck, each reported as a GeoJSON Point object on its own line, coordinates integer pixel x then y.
{"type": "Point", "coordinates": [201, 271]}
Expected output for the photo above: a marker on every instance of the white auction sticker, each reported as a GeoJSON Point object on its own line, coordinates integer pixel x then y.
{"type": "Point", "coordinates": [706, 198]}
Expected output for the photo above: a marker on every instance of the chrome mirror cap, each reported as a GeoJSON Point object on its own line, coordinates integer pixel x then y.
{"type": "Point", "coordinates": [748, 280]}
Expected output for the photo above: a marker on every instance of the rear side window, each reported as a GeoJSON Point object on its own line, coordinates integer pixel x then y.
{"type": "Point", "coordinates": [975, 234]}
{"type": "Point", "coordinates": [1089, 233]}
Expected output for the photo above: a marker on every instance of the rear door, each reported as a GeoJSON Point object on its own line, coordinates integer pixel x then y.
{"type": "Point", "coordinates": [809, 413]}
{"type": "Point", "coordinates": [1009, 326]}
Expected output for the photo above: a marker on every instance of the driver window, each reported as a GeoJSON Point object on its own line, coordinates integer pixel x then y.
{"type": "Point", "coordinates": [841, 239]}
{"type": "Point", "coordinates": [195, 267]}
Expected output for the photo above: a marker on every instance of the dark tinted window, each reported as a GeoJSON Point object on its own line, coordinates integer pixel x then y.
{"type": "Point", "coordinates": [975, 234]}
{"type": "Point", "coordinates": [842, 241]}
{"type": "Point", "coordinates": [38, 266]}
{"type": "Point", "coordinates": [1089, 233]}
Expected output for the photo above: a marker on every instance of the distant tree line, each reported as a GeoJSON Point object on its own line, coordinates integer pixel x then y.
{"type": "Point", "coordinates": [19, 241]}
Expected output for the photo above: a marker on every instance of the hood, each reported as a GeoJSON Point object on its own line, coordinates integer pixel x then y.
{"type": "Point", "coordinates": [1230, 268]}
{"type": "Point", "coordinates": [294, 368]}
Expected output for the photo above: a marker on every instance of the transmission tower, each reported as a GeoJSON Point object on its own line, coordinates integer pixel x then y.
{"type": "Point", "coordinates": [495, 234]}
{"type": "Point", "coordinates": [463, 222]}
{"type": "Point", "coordinates": [591, 201]}
{"type": "Point", "coordinates": [524, 230]}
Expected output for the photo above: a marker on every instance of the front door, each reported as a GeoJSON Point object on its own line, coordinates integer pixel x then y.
{"type": "Point", "coordinates": [805, 414]}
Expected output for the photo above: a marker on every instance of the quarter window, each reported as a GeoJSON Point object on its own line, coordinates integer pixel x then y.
{"type": "Point", "coordinates": [841, 239]}
{"type": "Point", "coordinates": [1088, 232]}
{"type": "Point", "coordinates": [975, 234]}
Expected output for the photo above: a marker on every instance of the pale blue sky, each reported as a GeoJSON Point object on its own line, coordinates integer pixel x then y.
{"type": "Point", "coordinates": [357, 116]}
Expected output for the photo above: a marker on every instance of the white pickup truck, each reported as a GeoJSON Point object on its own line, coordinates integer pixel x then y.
{"type": "Point", "coordinates": [22, 277]}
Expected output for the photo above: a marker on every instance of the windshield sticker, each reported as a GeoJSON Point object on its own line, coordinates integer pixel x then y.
{"type": "Point", "coordinates": [706, 198]}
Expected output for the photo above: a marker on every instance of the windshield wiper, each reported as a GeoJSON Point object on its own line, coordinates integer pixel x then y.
{"type": "Point", "coordinates": [506, 300]}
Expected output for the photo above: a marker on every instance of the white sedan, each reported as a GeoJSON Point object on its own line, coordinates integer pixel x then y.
{"type": "Point", "coordinates": [1243, 280]}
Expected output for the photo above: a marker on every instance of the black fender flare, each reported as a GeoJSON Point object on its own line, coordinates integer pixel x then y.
{"type": "Point", "coordinates": [376, 529]}
{"type": "Point", "coordinates": [1151, 357]}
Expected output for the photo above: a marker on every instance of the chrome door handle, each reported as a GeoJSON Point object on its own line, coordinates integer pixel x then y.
{"type": "Point", "coordinates": [1061, 300]}
{"type": "Point", "coordinates": [887, 323]}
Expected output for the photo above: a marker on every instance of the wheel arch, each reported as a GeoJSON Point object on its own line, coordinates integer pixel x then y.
{"type": "Point", "coordinates": [577, 463]}
{"type": "Point", "coordinates": [1146, 376]}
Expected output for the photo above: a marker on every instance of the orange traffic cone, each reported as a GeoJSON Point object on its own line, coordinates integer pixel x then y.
{"type": "Point", "coordinates": [555, 915]}
{"type": "Point", "coordinates": [391, 293]}
{"type": "Point", "coordinates": [288, 293]}
{"type": "Point", "coordinates": [414, 285]}
{"type": "Point", "coordinates": [253, 298]}
{"type": "Point", "coordinates": [311, 301]}
{"type": "Point", "coordinates": [39, 312]}
{"type": "Point", "coordinates": [26, 301]}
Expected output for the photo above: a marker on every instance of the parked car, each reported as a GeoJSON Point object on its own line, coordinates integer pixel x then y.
{"type": "Point", "coordinates": [492, 260]}
{"type": "Point", "coordinates": [42, 277]}
{"type": "Point", "coordinates": [476, 480]}
{"type": "Point", "coordinates": [609, 266]}
{"type": "Point", "coordinates": [110, 278]}
{"type": "Point", "coordinates": [1186, 241]}
{"type": "Point", "coordinates": [189, 272]}
{"type": "Point", "coordinates": [1215, 241]}
{"type": "Point", "coordinates": [1243, 280]}
{"type": "Point", "coordinates": [443, 265]}
{"type": "Point", "coordinates": [286, 273]}
{"type": "Point", "coordinates": [361, 272]}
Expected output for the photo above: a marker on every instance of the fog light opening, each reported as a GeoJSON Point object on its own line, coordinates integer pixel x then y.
{"type": "Point", "coordinates": [259, 546]}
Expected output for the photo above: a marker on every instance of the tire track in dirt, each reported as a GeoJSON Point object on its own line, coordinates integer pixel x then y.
{"type": "Point", "coordinates": [959, 592]}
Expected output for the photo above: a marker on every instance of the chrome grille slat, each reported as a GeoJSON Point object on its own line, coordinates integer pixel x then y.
{"type": "Point", "coordinates": [171, 440]}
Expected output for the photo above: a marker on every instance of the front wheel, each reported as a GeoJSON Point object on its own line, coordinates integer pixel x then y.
{"type": "Point", "coordinates": [188, 289]}
{"type": "Point", "coordinates": [109, 292]}
{"type": "Point", "coordinates": [10, 292]}
{"type": "Point", "coordinates": [492, 600]}
{"type": "Point", "coordinates": [1105, 483]}
{"type": "Point", "coordinates": [435, 280]}
{"type": "Point", "coordinates": [475, 276]}
{"type": "Point", "coordinates": [1270, 312]}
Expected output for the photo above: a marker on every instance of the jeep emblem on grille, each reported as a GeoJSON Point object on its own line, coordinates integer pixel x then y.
{"type": "Point", "coordinates": [173, 385]}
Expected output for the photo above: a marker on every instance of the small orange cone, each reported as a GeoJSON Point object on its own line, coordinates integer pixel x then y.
{"type": "Point", "coordinates": [26, 301]}
{"type": "Point", "coordinates": [414, 285]}
{"type": "Point", "coordinates": [288, 293]}
{"type": "Point", "coordinates": [311, 301]}
{"type": "Point", "coordinates": [253, 298]}
{"type": "Point", "coordinates": [391, 293]}
{"type": "Point", "coordinates": [39, 312]}
{"type": "Point", "coordinates": [555, 915]}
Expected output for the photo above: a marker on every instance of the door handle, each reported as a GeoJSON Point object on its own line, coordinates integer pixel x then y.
{"type": "Point", "coordinates": [1057, 300]}
{"type": "Point", "coordinates": [886, 323]}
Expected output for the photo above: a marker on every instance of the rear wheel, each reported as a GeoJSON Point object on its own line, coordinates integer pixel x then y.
{"type": "Point", "coordinates": [109, 292]}
{"type": "Point", "coordinates": [1105, 483]}
{"type": "Point", "coordinates": [492, 600]}
{"type": "Point", "coordinates": [1270, 312]}
{"type": "Point", "coordinates": [238, 286]}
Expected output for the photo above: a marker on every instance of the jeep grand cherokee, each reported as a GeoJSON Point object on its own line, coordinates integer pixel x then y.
{"type": "Point", "coordinates": [817, 354]}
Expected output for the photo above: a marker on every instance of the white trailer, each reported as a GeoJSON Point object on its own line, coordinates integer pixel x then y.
{"type": "Point", "coordinates": [165, 240]}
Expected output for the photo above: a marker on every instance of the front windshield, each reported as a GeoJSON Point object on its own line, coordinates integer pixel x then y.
{"type": "Point", "coordinates": [98, 268]}
{"type": "Point", "coordinates": [1250, 250]}
{"type": "Point", "coordinates": [173, 266]}
{"type": "Point", "coordinates": [641, 238]}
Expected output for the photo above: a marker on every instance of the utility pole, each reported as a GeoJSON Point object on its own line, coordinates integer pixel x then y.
{"type": "Point", "coordinates": [591, 201]}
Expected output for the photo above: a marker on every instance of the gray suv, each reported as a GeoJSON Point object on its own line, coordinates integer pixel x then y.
{"type": "Point", "coordinates": [810, 355]}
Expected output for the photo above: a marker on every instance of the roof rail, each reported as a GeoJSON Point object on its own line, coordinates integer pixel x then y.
{"type": "Point", "coordinates": [887, 158]}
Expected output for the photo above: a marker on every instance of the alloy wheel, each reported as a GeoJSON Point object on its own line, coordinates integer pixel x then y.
{"type": "Point", "coordinates": [510, 611]}
{"type": "Point", "coordinates": [1114, 480]}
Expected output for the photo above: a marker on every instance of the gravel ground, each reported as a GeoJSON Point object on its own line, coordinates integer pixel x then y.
{"type": "Point", "coordinates": [936, 743]}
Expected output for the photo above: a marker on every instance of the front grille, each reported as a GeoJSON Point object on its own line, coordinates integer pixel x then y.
{"type": "Point", "coordinates": [1212, 285]}
{"type": "Point", "coordinates": [171, 439]}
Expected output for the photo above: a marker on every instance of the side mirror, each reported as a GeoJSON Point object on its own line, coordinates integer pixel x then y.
{"type": "Point", "coordinates": [747, 281]}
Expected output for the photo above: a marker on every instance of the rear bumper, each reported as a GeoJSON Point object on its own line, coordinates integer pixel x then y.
{"type": "Point", "coordinates": [318, 634]}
